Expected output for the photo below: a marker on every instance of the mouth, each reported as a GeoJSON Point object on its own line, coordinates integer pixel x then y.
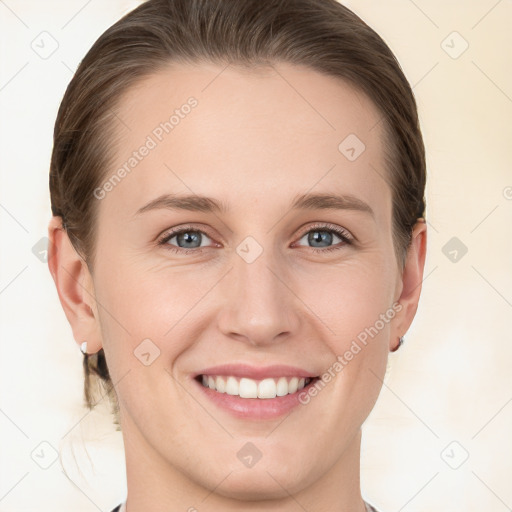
{"type": "Point", "coordinates": [255, 393]}
{"type": "Point", "coordinates": [244, 387]}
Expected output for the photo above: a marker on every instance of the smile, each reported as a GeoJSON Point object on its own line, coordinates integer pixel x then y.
{"type": "Point", "coordinates": [250, 388]}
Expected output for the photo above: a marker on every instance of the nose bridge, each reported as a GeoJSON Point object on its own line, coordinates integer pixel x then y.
{"type": "Point", "coordinates": [260, 306]}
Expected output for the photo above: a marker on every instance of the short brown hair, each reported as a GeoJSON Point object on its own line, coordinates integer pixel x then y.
{"type": "Point", "coordinates": [321, 34]}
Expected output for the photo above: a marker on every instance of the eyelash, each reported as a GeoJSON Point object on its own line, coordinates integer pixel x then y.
{"type": "Point", "coordinates": [344, 235]}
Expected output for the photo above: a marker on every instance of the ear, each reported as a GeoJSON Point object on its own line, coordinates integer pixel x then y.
{"type": "Point", "coordinates": [74, 286]}
{"type": "Point", "coordinates": [409, 285]}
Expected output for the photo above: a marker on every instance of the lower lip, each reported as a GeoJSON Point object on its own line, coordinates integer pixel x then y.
{"type": "Point", "coordinates": [255, 408]}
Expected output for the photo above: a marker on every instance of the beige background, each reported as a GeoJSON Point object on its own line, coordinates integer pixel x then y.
{"type": "Point", "coordinates": [448, 392]}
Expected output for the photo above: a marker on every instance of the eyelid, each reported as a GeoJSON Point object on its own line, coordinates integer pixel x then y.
{"type": "Point", "coordinates": [346, 237]}
{"type": "Point", "coordinates": [169, 234]}
{"type": "Point", "coordinates": [326, 226]}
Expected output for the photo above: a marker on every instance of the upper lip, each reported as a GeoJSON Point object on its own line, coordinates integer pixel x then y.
{"type": "Point", "coordinates": [256, 373]}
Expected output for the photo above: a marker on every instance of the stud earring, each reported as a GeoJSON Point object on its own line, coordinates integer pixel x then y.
{"type": "Point", "coordinates": [400, 343]}
{"type": "Point", "coordinates": [83, 347]}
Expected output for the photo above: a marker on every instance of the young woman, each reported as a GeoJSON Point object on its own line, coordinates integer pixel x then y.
{"type": "Point", "coordinates": [238, 242]}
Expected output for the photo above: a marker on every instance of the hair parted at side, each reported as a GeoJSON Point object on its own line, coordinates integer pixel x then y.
{"type": "Point", "coordinates": [321, 34]}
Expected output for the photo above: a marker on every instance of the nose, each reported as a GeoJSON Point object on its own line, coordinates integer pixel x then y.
{"type": "Point", "coordinates": [260, 306]}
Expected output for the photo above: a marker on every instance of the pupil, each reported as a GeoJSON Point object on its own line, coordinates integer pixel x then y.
{"type": "Point", "coordinates": [325, 236]}
{"type": "Point", "coordinates": [187, 237]}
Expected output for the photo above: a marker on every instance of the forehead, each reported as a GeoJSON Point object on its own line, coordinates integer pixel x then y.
{"type": "Point", "coordinates": [234, 132]}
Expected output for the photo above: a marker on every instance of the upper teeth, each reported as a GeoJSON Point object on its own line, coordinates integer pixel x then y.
{"type": "Point", "coordinates": [249, 388]}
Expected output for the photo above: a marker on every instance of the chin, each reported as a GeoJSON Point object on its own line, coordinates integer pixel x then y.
{"type": "Point", "coordinates": [260, 482]}
{"type": "Point", "coordinates": [249, 486]}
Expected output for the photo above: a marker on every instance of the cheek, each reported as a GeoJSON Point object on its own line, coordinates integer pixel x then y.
{"type": "Point", "coordinates": [147, 311]}
{"type": "Point", "coordinates": [138, 311]}
{"type": "Point", "coordinates": [348, 299]}
{"type": "Point", "coordinates": [137, 306]}
{"type": "Point", "coordinates": [355, 306]}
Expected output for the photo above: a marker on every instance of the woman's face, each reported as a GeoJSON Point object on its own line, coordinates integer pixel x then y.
{"type": "Point", "coordinates": [270, 277]}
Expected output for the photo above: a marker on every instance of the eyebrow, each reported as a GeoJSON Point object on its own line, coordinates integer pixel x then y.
{"type": "Point", "coordinates": [196, 203]}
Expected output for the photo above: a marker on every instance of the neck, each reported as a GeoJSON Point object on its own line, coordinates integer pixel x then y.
{"type": "Point", "coordinates": [154, 484]}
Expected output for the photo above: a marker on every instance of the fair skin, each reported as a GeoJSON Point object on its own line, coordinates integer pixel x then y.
{"type": "Point", "coordinates": [254, 144]}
